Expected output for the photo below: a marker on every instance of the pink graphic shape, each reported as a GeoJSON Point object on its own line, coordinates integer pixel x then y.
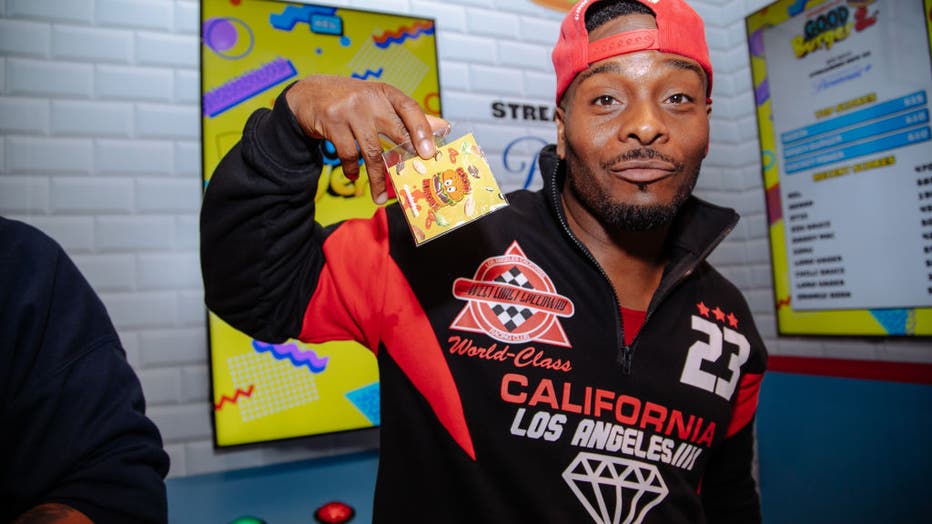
{"type": "Point", "coordinates": [219, 34]}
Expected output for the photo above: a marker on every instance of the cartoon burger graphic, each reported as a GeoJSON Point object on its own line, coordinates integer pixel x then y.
{"type": "Point", "coordinates": [446, 188]}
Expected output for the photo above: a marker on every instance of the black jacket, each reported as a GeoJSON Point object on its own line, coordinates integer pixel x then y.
{"type": "Point", "coordinates": [71, 408]}
{"type": "Point", "coordinates": [507, 394]}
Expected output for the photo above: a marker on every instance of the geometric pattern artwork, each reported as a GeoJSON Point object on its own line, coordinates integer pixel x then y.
{"type": "Point", "coordinates": [296, 355]}
{"type": "Point", "coordinates": [366, 400]}
{"type": "Point", "coordinates": [248, 49]}
{"type": "Point", "coordinates": [398, 36]}
{"type": "Point", "coordinates": [399, 66]}
{"type": "Point", "coordinates": [279, 385]}
{"type": "Point", "coordinates": [615, 490]}
{"type": "Point", "coordinates": [896, 321]}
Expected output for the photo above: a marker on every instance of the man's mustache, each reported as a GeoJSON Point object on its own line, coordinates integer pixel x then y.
{"type": "Point", "coordinates": [643, 153]}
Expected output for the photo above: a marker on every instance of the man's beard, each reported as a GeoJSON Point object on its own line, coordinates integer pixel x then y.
{"type": "Point", "coordinates": [618, 215]}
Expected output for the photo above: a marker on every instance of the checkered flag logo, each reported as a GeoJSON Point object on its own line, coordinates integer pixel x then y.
{"type": "Point", "coordinates": [511, 299]}
{"type": "Point", "coordinates": [515, 277]}
{"type": "Point", "coordinates": [512, 317]}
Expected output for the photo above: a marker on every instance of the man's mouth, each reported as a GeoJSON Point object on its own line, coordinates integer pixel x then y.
{"type": "Point", "coordinates": [642, 172]}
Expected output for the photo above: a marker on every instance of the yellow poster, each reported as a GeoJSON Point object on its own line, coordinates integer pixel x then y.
{"type": "Point", "coordinates": [250, 51]}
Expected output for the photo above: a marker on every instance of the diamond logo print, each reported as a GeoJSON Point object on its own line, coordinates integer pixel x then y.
{"type": "Point", "coordinates": [615, 490]}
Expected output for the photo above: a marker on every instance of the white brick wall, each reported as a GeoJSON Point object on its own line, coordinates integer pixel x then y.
{"type": "Point", "coordinates": [134, 83]}
{"type": "Point", "coordinates": [24, 38]}
{"type": "Point", "coordinates": [51, 10]}
{"type": "Point", "coordinates": [99, 147]}
{"type": "Point", "coordinates": [96, 119]}
{"type": "Point", "coordinates": [92, 44]}
{"type": "Point", "coordinates": [45, 77]}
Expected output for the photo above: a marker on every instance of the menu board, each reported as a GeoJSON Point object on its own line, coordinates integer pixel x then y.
{"type": "Point", "coordinates": [842, 91]}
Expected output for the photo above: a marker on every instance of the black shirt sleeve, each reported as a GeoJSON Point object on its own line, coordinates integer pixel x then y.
{"type": "Point", "coordinates": [260, 247]}
{"type": "Point", "coordinates": [75, 430]}
{"type": "Point", "coordinates": [729, 492]}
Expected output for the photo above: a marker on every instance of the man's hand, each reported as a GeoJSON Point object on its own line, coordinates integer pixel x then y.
{"type": "Point", "coordinates": [348, 111]}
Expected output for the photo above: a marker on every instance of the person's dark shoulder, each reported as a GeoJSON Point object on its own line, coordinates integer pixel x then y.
{"type": "Point", "coordinates": [46, 305]}
{"type": "Point", "coordinates": [29, 261]}
{"type": "Point", "coordinates": [24, 244]}
{"type": "Point", "coordinates": [20, 235]}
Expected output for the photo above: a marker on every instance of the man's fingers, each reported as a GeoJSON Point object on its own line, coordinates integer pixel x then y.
{"type": "Point", "coordinates": [347, 152]}
{"type": "Point", "coordinates": [353, 113]}
{"type": "Point", "coordinates": [415, 121]}
{"type": "Point", "coordinates": [371, 149]}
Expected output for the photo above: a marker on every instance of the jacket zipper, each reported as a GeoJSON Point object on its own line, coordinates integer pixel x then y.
{"type": "Point", "coordinates": [625, 352]}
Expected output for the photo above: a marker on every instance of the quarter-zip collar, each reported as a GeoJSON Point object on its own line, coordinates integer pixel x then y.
{"type": "Point", "coordinates": [697, 229]}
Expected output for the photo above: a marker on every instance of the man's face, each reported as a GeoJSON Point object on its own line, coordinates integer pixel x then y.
{"type": "Point", "coordinates": [633, 130]}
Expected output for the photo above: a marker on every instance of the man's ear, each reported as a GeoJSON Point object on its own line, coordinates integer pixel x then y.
{"type": "Point", "coordinates": [561, 132]}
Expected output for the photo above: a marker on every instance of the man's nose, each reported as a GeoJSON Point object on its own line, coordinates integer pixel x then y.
{"type": "Point", "coordinates": [644, 122]}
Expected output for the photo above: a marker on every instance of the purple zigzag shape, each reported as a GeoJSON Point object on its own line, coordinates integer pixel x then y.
{"type": "Point", "coordinates": [297, 356]}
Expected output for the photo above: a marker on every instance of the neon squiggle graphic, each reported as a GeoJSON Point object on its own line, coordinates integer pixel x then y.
{"type": "Point", "coordinates": [783, 302]}
{"type": "Point", "coordinates": [235, 398]}
{"type": "Point", "coordinates": [287, 19]}
{"type": "Point", "coordinates": [297, 356]}
{"type": "Point", "coordinates": [365, 76]}
{"type": "Point", "coordinates": [403, 33]}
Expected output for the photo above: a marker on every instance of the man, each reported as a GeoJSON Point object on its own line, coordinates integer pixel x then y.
{"type": "Point", "coordinates": [569, 358]}
{"type": "Point", "coordinates": [76, 446]}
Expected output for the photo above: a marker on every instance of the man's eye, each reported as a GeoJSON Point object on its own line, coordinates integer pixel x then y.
{"type": "Point", "coordinates": [604, 100]}
{"type": "Point", "coordinates": [680, 98]}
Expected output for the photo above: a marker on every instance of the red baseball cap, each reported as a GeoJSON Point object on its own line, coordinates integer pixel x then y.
{"type": "Point", "coordinates": [680, 31]}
